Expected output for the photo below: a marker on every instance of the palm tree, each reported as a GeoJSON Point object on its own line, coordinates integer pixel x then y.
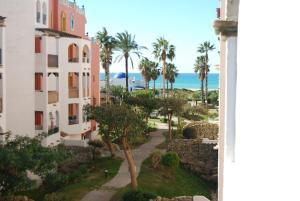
{"type": "Point", "coordinates": [205, 48]}
{"type": "Point", "coordinates": [163, 51]}
{"type": "Point", "coordinates": [107, 44]}
{"type": "Point", "coordinates": [199, 67]}
{"type": "Point", "coordinates": [145, 68]}
{"type": "Point", "coordinates": [127, 46]}
{"type": "Point", "coordinates": [155, 72]}
{"type": "Point", "coordinates": [171, 74]}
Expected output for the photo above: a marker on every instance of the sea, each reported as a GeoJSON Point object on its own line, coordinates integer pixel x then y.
{"type": "Point", "coordinates": [183, 81]}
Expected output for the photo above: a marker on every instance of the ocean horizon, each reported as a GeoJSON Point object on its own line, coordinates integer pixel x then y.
{"type": "Point", "coordinates": [183, 81]}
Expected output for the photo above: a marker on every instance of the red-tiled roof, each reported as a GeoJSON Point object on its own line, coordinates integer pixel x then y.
{"type": "Point", "coordinates": [57, 33]}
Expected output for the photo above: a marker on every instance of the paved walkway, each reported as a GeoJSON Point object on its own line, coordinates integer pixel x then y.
{"type": "Point", "coordinates": [122, 179]}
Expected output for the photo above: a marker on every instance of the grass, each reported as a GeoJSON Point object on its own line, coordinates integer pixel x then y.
{"type": "Point", "coordinates": [166, 182]}
{"type": "Point", "coordinates": [153, 121]}
{"type": "Point", "coordinates": [94, 178]}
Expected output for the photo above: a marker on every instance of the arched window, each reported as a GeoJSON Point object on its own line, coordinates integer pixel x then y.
{"type": "Point", "coordinates": [72, 23]}
{"type": "Point", "coordinates": [63, 21]}
{"type": "Point", "coordinates": [85, 54]}
{"type": "Point", "coordinates": [38, 11]}
{"type": "Point", "coordinates": [73, 53]}
{"type": "Point", "coordinates": [44, 13]}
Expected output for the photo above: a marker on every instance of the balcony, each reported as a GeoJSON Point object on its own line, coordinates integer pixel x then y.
{"type": "Point", "coordinates": [73, 93]}
{"type": "Point", "coordinates": [1, 105]}
{"type": "Point", "coordinates": [73, 120]}
{"type": "Point", "coordinates": [52, 97]}
{"type": "Point", "coordinates": [73, 60]}
{"type": "Point", "coordinates": [52, 61]}
{"type": "Point", "coordinates": [85, 60]}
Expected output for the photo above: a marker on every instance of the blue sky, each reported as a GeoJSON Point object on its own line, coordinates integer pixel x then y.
{"type": "Point", "coordinates": [185, 23]}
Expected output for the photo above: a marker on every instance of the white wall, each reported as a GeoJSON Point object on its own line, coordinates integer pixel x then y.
{"type": "Point", "coordinates": [20, 64]}
{"type": "Point", "coordinates": [3, 82]}
{"type": "Point", "coordinates": [41, 25]}
{"type": "Point", "coordinates": [65, 68]}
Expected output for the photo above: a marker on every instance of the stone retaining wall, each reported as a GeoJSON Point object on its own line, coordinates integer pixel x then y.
{"type": "Point", "coordinates": [205, 130]}
{"type": "Point", "coordinates": [200, 158]}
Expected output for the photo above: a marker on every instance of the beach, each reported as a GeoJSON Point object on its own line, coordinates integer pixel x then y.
{"type": "Point", "coordinates": [188, 81]}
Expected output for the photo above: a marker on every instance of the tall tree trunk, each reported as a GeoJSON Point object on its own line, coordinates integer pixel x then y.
{"type": "Point", "coordinates": [202, 91]}
{"type": "Point", "coordinates": [126, 69]}
{"type": "Point", "coordinates": [206, 78]}
{"type": "Point", "coordinates": [206, 82]}
{"type": "Point", "coordinates": [167, 86]}
{"type": "Point", "coordinates": [179, 124]}
{"type": "Point", "coordinates": [206, 89]}
{"type": "Point", "coordinates": [130, 160]}
{"type": "Point", "coordinates": [110, 147]}
{"type": "Point", "coordinates": [170, 126]}
{"type": "Point", "coordinates": [106, 76]}
{"type": "Point", "coordinates": [145, 82]}
{"type": "Point", "coordinates": [164, 78]}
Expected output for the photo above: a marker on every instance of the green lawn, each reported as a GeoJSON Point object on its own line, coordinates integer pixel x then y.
{"type": "Point", "coordinates": [94, 178]}
{"type": "Point", "coordinates": [167, 182]}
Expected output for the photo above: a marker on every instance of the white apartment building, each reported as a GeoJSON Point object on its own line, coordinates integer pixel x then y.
{"type": "Point", "coordinates": [48, 76]}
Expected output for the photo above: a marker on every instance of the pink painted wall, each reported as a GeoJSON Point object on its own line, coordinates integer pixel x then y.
{"type": "Point", "coordinates": [95, 69]}
{"type": "Point", "coordinates": [55, 11]}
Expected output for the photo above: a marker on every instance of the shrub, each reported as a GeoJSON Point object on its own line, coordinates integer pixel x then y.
{"type": "Point", "coordinates": [137, 195]}
{"type": "Point", "coordinates": [150, 128]}
{"type": "Point", "coordinates": [213, 97]}
{"type": "Point", "coordinates": [55, 181]}
{"type": "Point", "coordinates": [164, 120]}
{"type": "Point", "coordinates": [170, 159]}
{"type": "Point", "coordinates": [173, 123]}
{"type": "Point", "coordinates": [189, 133]}
{"type": "Point", "coordinates": [156, 158]}
{"type": "Point", "coordinates": [96, 143]}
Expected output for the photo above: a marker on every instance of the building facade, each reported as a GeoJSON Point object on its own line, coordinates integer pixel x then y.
{"type": "Point", "coordinates": [2, 79]}
{"type": "Point", "coordinates": [226, 27]}
{"type": "Point", "coordinates": [52, 70]}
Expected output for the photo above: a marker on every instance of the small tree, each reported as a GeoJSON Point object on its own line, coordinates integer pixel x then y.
{"type": "Point", "coordinates": [118, 122]}
{"type": "Point", "coordinates": [171, 106]}
{"type": "Point", "coordinates": [102, 115]}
